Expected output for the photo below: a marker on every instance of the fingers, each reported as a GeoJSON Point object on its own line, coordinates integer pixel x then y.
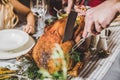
{"type": "Point", "coordinates": [89, 26]}
{"type": "Point", "coordinates": [92, 25]}
{"type": "Point", "coordinates": [98, 18]}
{"type": "Point", "coordinates": [98, 27]}
{"type": "Point", "coordinates": [67, 10]}
{"type": "Point", "coordinates": [29, 29]}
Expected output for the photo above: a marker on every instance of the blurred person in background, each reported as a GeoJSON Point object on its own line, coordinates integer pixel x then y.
{"type": "Point", "coordinates": [60, 4]}
{"type": "Point", "coordinates": [67, 5]}
{"type": "Point", "coordinates": [54, 4]}
{"type": "Point", "coordinates": [9, 11]}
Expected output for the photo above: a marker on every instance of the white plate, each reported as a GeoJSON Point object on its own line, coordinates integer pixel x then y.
{"type": "Point", "coordinates": [18, 52]}
{"type": "Point", "coordinates": [12, 39]}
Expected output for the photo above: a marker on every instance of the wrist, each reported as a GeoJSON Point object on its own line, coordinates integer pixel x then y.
{"type": "Point", "coordinates": [32, 25]}
{"type": "Point", "coordinates": [117, 6]}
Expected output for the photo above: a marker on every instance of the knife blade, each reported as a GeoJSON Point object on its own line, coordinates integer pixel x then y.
{"type": "Point", "coordinates": [68, 31]}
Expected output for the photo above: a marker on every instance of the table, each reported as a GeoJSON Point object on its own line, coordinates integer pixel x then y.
{"type": "Point", "coordinates": [111, 68]}
{"type": "Point", "coordinates": [114, 71]}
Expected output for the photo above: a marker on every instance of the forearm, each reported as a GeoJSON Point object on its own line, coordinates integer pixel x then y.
{"type": "Point", "coordinates": [114, 4]}
{"type": "Point", "coordinates": [70, 3]}
{"type": "Point", "coordinates": [117, 6]}
{"type": "Point", "coordinates": [20, 8]}
{"type": "Point", "coordinates": [31, 19]}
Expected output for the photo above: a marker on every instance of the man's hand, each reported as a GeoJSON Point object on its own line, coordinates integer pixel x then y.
{"type": "Point", "coordinates": [100, 17]}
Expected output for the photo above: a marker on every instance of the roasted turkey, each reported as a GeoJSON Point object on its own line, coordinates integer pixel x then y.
{"type": "Point", "coordinates": [49, 52]}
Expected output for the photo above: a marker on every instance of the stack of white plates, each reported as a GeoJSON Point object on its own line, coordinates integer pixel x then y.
{"type": "Point", "coordinates": [14, 43]}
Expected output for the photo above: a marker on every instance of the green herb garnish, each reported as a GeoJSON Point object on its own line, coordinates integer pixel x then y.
{"type": "Point", "coordinates": [32, 71]}
{"type": "Point", "coordinates": [76, 56]}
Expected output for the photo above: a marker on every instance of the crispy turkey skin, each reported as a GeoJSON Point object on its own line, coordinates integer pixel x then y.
{"type": "Point", "coordinates": [43, 49]}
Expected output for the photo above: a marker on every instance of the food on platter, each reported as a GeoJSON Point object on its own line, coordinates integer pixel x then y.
{"type": "Point", "coordinates": [4, 71]}
{"type": "Point", "coordinates": [52, 56]}
{"type": "Point", "coordinates": [55, 60]}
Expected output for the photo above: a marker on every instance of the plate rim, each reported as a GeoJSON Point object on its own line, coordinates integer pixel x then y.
{"type": "Point", "coordinates": [13, 54]}
{"type": "Point", "coordinates": [18, 31]}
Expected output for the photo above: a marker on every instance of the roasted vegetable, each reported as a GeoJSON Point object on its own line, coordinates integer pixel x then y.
{"type": "Point", "coordinates": [4, 71]}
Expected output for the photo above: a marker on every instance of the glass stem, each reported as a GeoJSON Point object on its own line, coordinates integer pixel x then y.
{"type": "Point", "coordinates": [40, 23]}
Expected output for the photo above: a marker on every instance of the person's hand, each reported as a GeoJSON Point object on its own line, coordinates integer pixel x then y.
{"type": "Point", "coordinates": [100, 17]}
{"type": "Point", "coordinates": [67, 9]}
{"type": "Point", "coordinates": [69, 6]}
{"type": "Point", "coordinates": [29, 29]}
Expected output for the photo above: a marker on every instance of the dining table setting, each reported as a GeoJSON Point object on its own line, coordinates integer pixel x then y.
{"type": "Point", "coordinates": [10, 57]}
{"type": "Point", "coordinates": [23, 56]}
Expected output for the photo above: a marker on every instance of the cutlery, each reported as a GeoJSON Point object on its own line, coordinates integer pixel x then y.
{"type": "Point", "coordinates": [69, 28]}
{"type": "Point", "coordinates": [80, 42]}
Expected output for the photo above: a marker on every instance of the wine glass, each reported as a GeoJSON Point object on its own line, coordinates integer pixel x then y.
{"type": "Point", "coordinates": [39, 9]}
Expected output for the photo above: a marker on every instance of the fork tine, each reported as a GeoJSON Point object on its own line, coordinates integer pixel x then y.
{"type": "Point", "coordinates": [78, 44]}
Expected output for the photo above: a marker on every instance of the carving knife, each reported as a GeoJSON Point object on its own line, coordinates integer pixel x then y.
{"type": "Point", "coordinates": [68, 31]}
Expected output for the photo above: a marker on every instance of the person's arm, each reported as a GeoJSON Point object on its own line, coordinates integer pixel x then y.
{"type": "Point", "coordinates": [118, 5]}
{"type": "Point", "coordinates": [100, 17]}
{"type": "Point", "coordinates": [70, 3]}
{"type": "Point", "coordinates": [30, 26]}
{"type": "Point", "coordinates": [69, 7]}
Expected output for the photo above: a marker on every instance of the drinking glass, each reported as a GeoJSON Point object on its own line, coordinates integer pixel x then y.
{"type": "Point", "coordinates": [39, 9]}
